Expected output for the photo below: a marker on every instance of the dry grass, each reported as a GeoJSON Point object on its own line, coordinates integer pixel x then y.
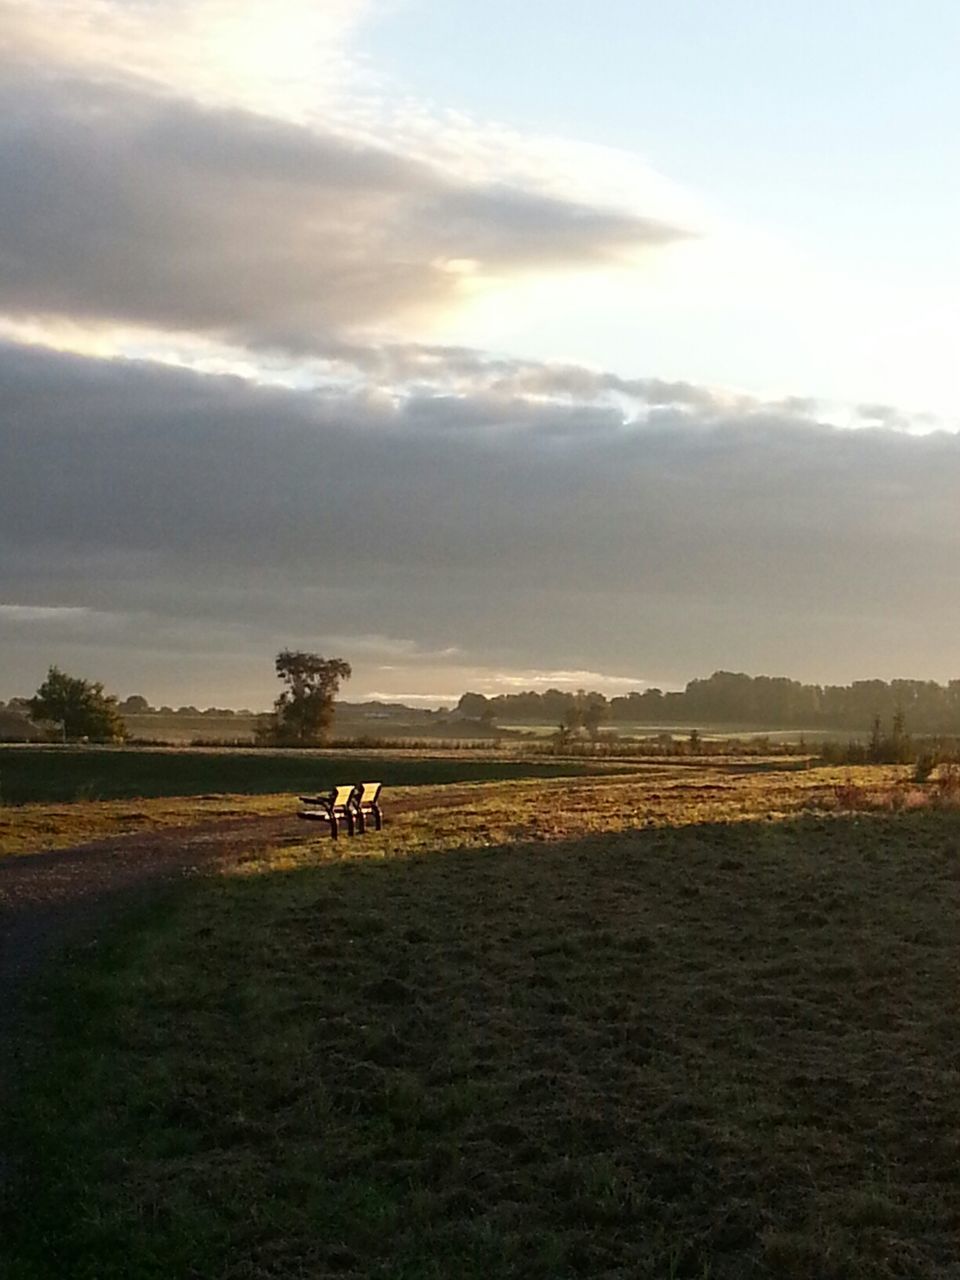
{"type": "Point", "coordinates": [27, 828]}
{"type": "Point", "coordinates": [32, 827]}
{"type": "Point", "coordinates": [561, 1030]}
{"type": "Point", "coordinates": [866, 792]}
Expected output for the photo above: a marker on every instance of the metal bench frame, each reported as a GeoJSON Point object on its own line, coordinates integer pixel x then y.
{"type": "Point", "coordinates": [367, 801]}
{"type": "Point", "coordinates": [336, 806]}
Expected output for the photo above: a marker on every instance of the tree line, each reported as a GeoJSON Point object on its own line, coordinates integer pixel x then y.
{"type": "Point", "coordinates": [732, 698]}
{"type": "Point", "coordinates": [303, 712]}
{"type": "Point", "coordinates": [72, 708]}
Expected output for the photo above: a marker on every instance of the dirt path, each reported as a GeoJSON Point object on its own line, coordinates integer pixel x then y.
{"type": "Point", "coordinates": [57, 897]}
{"type": "Point", "coordinates": [60, 897]}
{"type": "Point", "coordinates": [65, 895]}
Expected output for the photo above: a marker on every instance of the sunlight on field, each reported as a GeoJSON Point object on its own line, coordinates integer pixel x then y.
{"type": "Point", "coordinates": [654, 793]}
{"type": "Point", "coordinates": [507, 814]}
{"type": "Point", "coordinates": [30, 828]}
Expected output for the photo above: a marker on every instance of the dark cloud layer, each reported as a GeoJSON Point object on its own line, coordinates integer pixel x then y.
{"type": "Point", "coordinates": [117, 204]}
{"type": "Point", "coordinates": [544, 534]}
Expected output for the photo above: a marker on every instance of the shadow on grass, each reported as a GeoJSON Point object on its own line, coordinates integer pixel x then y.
{"type": "Point", "coordinates": [722, 1050]}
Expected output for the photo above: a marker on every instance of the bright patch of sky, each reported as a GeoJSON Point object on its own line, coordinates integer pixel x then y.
{"type": "Point", "coordinates": [822, 138]}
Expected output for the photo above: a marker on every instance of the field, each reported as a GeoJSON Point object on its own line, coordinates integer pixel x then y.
{"type": "Point", "coordinates": [689, 1023]}
{"type": "Point", "coordinates": [41, 775]}
{"type": "Point", "coordinates": [707, 732]}
{"type": "Point", "coordinates": [182, 730]}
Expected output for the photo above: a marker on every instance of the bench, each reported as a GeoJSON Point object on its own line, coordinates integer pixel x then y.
{"type": "Point", "coordinates": [336, 805]}
{"type": "Point", "coordinates": [367, 801]}
{"type": "Point", "coordinates": [349, 804]}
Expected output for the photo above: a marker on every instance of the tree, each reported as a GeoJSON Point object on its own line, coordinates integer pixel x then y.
{"type": "Point", "coordinates": [595, 711]}
{"type": "Point", "coordinates": [875, 749]}
{"type": "Point", "coordinates": [304, 711]}
{"type": "Point", "coordinates": [571, 720]}
{"type": "Point", "coordinates": [135, 705]}
{"type": "Point", "coordinates": [474, 706]}
{"type": "Point", "coordinates": [79, 707]}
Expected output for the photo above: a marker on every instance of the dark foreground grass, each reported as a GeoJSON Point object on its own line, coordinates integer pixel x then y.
{"type": "Point", "coordinates": [721, 1049]}
{"type": "Point", "coordinates": [65, 774]}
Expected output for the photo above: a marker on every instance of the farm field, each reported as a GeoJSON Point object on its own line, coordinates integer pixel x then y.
{"type": "Point", "coordinates": [182, 730]}
{"type": "Point", "coordinates": [685, 1023]}
{"type": "Point", "coordinates": [41, 775]}
{"type": "Point", "coordinates": [708, 732]}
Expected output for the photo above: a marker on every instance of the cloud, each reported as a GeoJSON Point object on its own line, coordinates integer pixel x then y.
{"type": "Point", "coordinates": [126, 201]}
{"type": "Point", "coordinates": [29, 614]}
{"type": "Point", "coordinates": [272, 54]}
{"type": "Point", "coordinates": [222, 517]}
{"type": "Point", "coordinates": [533, 679]}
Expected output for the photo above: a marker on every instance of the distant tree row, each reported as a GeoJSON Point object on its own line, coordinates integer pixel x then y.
{"type": "Point", "coordinates": [303, 712]}
{"type": "Point", "coordinates": [136, 705]}
{"type": "Point", "coordinates": [773, 702]}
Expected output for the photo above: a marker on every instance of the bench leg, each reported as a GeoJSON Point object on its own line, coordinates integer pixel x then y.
{"type": "Point", "coordinates": [351, 826]}
{"type": "Point", "coordinates": [377, 817]}
{"type": "Point", "coordinates": [334, 827]}
{"type": "Point", "coordinates": [361, 822]}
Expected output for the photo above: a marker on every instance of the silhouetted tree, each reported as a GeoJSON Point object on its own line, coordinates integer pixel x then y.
{"type": "Point", "coordinates": [304, 711]}
{"type": "Point", "coordinates": [595, 711]}
{"type": "Point", "coordinates": [474, 706]}
{"type": "Point", "coordinates": [79, 707]}
{"type": "Point", "coordinates": [135, 705]}
{"type": "Point", "coordinates": [875, 748]}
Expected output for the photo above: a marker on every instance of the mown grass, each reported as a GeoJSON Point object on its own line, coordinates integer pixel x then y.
{"type": "Point", "coordinates": [67, 774]}
{"type": "Point", "coordinates": [558, 1031]}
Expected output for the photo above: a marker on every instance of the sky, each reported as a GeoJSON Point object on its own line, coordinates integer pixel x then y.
{"type": "Point", "coordinates": [491, 347]}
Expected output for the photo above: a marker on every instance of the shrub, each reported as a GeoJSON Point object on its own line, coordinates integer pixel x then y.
{"type": "Point", "coordinates": [926, 762]}
{"type": "Point", "coordinates": [947, 793]}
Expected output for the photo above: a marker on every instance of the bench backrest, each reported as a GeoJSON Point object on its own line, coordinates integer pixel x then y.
{"type": "Point", "coordinates": [368, 792]}
{"type": "Point", "coordinates": [341, 796]}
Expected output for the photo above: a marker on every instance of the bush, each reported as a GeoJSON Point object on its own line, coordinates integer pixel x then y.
{"type": "Point", "coordinates": [925, 764]}
{"type": "Point", "coordinates": [947, 792]}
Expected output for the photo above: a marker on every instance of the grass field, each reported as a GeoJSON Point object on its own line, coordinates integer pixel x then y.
{"type": "Point", "coordinates": [66, 774]}
{"type": "Point", "coordinates": [182, 730]}
{"type": "Point", "coordinates": [31, 828]}
{"type": "Point", "coordinates": [684, 1027]}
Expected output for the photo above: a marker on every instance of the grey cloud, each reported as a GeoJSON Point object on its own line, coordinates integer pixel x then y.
{"type": "Point", "coordinates": [466, 367]}
{"type": "Point", "coordinates": [120, 204]}
{"type": "Point", "coordinates": [523, 531]}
